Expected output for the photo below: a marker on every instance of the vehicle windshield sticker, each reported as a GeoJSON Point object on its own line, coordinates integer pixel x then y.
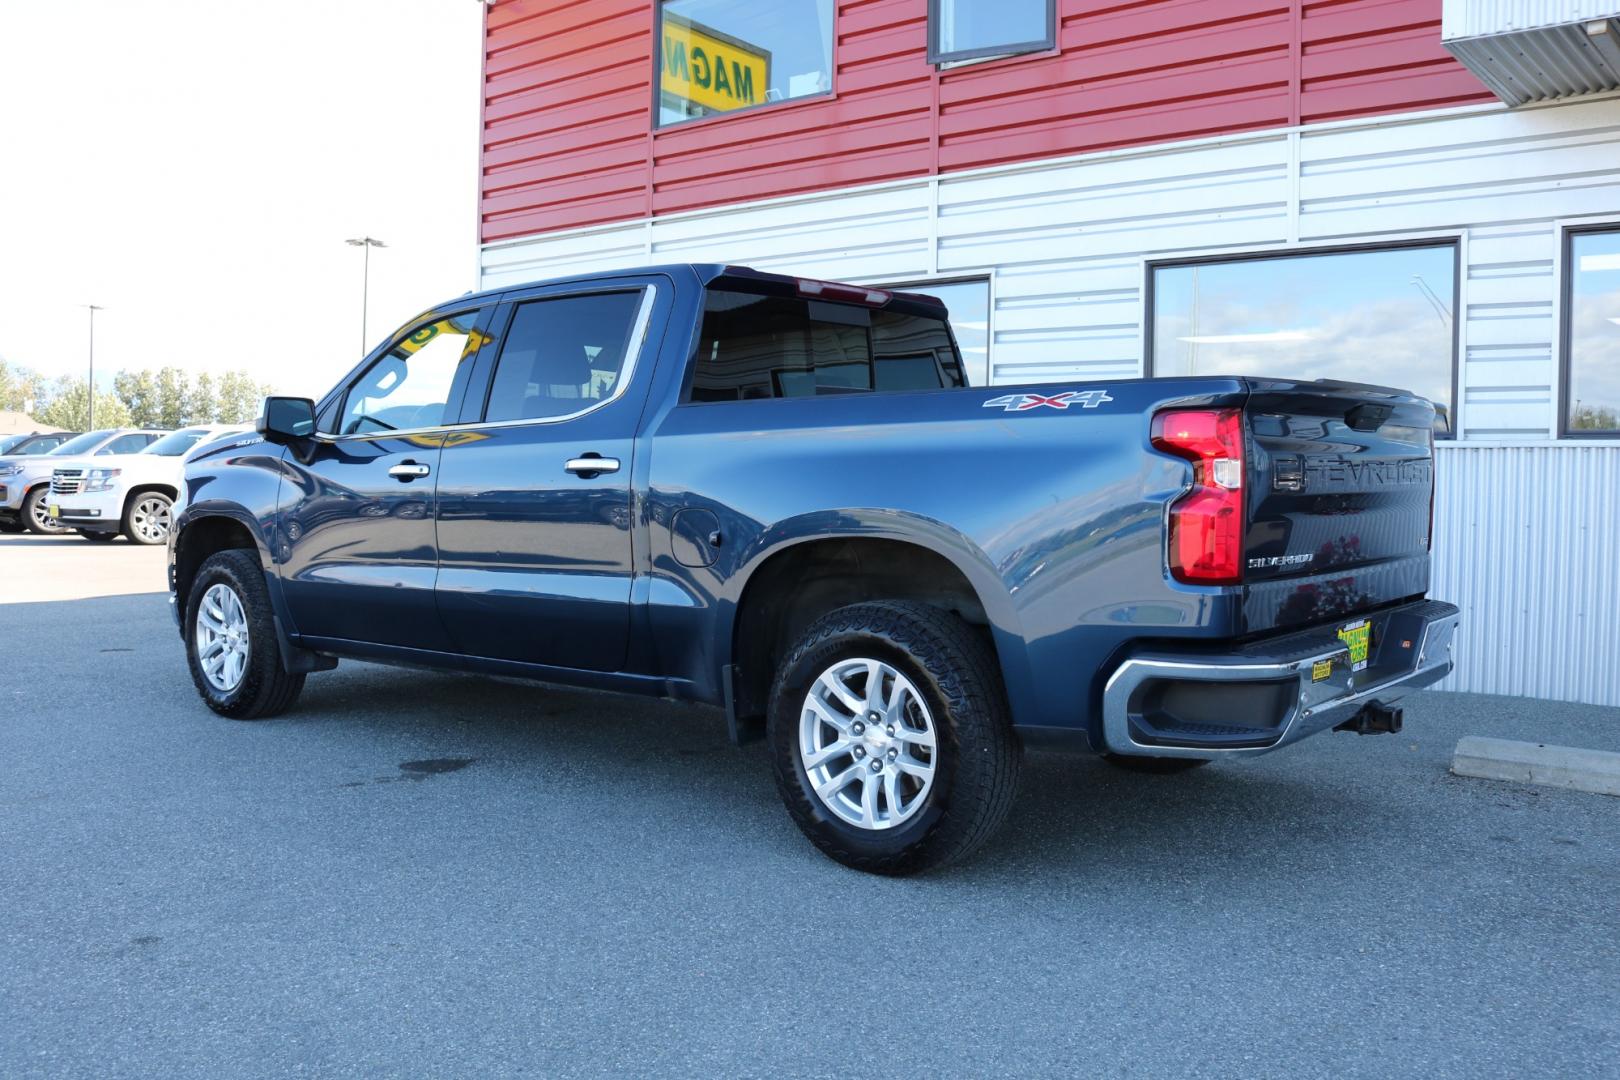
{"type": "Point", "coordinates": [1086, 399]}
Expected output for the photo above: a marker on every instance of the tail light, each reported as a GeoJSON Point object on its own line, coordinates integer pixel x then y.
{"type": "Point", "coordinates": [1206, 523]}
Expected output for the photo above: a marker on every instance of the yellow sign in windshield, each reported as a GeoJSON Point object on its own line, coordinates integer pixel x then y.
{"type": "Point", "coordinates": [712, 69]}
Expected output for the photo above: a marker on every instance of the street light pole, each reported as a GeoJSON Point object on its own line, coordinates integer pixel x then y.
{"type": "Point", "coordinates": [366, 242]}
{"type": "Point", "coordinates": [93, 308]}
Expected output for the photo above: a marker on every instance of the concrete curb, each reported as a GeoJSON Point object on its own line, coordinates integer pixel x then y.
{"type": "Point", "coordinates": [1596, 771]}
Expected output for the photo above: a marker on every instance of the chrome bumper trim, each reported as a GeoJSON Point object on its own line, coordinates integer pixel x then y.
{"type": "Point", "coordinates": [1316, 707]}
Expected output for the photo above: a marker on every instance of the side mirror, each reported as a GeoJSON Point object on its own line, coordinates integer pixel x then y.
{"type": "Point", "coordinates": [286, 420]}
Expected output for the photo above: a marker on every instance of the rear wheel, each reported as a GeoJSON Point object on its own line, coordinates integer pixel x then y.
{"type": "Point", "coordinates": [1159, 766]}
{"type": "Point", "coordinates": [890, 736]}
{"type": "Point", "coordinates": [38, 516]}
{"type": "Point", "coordinates": [147, 517]}
{"type": "Point", "coordinates": [231, 643]}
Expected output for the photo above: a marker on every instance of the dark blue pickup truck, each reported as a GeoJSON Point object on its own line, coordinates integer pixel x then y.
{"type": "Point", "coordinates": [780, 497]}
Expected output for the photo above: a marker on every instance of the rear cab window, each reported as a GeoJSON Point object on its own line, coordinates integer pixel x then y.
{"type": "Point", "coordinates": [771, 343]}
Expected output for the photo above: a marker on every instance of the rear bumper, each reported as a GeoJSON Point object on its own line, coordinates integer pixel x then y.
{"type": "Point", "coordinates": [1165, 703]}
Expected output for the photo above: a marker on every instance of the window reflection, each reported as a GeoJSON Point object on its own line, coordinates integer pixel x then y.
{"type": "Point", "coordinates": [1593, 398]}
{"type": "Point", "coordinates": [969, 305]}
{"type": "Point", "coordinates": [1382, 316]}
{"type": "Point", "coordinates": [716, 56]}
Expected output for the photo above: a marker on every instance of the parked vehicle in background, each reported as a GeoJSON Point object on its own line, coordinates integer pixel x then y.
{"type": "Point", "coordinates": [43, 443]}
{"type": "Point", "coordinates": [780, 496]}
{"type": "Point", "coordinates": [25, 482]}
{"type": "Point", "coordinates": [133, 495]}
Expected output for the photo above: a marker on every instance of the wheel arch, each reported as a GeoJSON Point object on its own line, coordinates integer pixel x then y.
{"type": "Point", "coordinates": [800, 571]}
{"type": "Point", "coordinates": [200, 536]}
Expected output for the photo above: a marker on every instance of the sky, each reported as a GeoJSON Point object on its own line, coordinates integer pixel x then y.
{"type": "Point", "coordinates": [195, 167]}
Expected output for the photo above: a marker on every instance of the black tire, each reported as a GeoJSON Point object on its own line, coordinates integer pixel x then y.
{"type": "Point", "coordinates": [1157, 766]}
{"type": "Point", "coordinates": [98, 537]}
{"type": "Point", "coordinates": [265, 688]}
{"type": "Point", "coordinates": [34, 516]}
{"type": "Point", "coordinates": [956, 675]}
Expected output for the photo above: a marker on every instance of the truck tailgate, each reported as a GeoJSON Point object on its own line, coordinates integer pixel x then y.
{"type": "Point", "coordinates": [1340, 493]}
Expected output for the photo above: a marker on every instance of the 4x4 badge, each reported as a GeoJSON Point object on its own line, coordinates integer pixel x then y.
{"type": "Point", "coordinates": [1086, 399]}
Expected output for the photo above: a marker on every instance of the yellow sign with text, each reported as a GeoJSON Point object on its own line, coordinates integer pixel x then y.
{"type": "Point", "coordinates": [712, 69]}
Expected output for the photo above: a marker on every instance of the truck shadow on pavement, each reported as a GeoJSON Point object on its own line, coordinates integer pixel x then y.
{"type": "Point", "coordinates": [1074, 814]}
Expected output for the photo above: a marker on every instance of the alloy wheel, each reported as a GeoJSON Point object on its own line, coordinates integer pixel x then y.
{"type": "Point", "coordinates": [223, 642]}
{"type": "Point", "coordinates": [868, 744]}
{"type": "Point", "coordinates": [150, 519]}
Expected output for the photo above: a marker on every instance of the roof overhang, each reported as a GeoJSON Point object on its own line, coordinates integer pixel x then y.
{"type": "Point", "coordinates": [1534, 50]}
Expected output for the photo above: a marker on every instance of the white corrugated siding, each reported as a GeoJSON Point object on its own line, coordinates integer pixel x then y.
{"type": "Point", "coordinates": [1472, 18]}
{"type": "Point", "coordinates": [1527, 543]}
{"type": "Point", "coordinates": [1065, 243]}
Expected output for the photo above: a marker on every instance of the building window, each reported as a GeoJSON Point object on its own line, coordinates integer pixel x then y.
{"type": "Point", "coordinates": [1592, 333]}
{"type": "Point", "coordinates": [968, 301]}
{"type": "Point", "coordinates": [1373, 315]}
{"type": "Point", "coordinates": [969, 29]}
{"type": "Point", "coordinates": [717, 56]}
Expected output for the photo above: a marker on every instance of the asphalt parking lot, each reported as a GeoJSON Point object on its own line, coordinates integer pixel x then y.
{"type": "Point", "coordinates": [424, 874]}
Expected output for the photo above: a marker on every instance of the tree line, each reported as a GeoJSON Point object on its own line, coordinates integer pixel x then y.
{"type": "Point", "coordinates": [166, 398]}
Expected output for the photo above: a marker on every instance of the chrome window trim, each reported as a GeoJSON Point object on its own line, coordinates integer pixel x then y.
{"type": "Point", "coordinates": [638, 342]}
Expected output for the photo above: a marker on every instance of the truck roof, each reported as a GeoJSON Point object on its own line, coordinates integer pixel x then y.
{"type": "Point", "coordinates": [705, 273]}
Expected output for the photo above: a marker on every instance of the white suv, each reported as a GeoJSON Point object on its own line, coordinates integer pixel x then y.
{"type": "Point", "coordinates": [133, 495]}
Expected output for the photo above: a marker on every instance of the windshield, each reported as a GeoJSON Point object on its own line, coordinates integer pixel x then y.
{"type": "Point", "coordinates": [176, 443]}
{"type": "Point", "coordinates": [9, 441]}
{"type": "Point", "coordinates": [88, 441]}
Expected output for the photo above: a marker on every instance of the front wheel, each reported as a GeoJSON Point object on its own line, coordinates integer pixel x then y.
{"type": "Point", "coordinates": [147, 518]}
{"type": "Point", "coordinates": [231, 643]}
{"type": "Point", "coordinates": [38, 516]}
{"type": "Point", "coordinates": [890, 736]}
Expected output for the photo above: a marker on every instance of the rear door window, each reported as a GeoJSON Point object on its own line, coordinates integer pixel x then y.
{"type": "Point", "coordinates": [563, 355]}
{"type": "Point", "coordinates": [753, 347]}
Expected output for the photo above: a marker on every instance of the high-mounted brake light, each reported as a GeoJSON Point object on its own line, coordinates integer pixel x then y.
{"type": "Point", "coordinates": [1206, 523]}
{"type": "Point", "coordinates": [854, 294]}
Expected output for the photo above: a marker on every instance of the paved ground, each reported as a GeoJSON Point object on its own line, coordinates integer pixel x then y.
{"type": "Point", "coordinates": [430, 875]}
{"type": "Point", "coordinates": [34, 569]}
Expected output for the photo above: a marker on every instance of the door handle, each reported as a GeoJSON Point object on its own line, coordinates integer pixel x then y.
{"type": "Point", "coordinates": [407, 471]}
{"type": "Point", "coordinates": [588, 465]}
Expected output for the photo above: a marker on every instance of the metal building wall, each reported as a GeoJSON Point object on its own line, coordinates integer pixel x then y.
{"type": "Point", "coordinates": [568, 92]}
{"type": "Point", "coordinates": [1526, 544]}
{"type": "Point", "coordinates": [1065, 243]}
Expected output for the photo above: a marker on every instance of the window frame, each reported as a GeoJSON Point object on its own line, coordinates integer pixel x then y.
{"type": "Point", "coordinates": [481, 312]}
{"type": "Point", "coordinates": [1566, 328]}
{"type": "Point", "coordinates": [1453, 240]}
{"type": "Point", "coordinates": [635, 345]}
{"type": "Point", "coordinates": [658, 80]}
{"type": "Point", "coordinates": [936, 56]}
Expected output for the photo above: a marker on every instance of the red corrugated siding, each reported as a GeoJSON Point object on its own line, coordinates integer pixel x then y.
{"type": "Point", "coordinates": [568, 98]}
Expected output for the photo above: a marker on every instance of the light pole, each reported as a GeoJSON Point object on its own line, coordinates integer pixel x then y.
{"type": "Point", "coordinates": [366, 242]}
{"type": "Point", "coordinates": [93, 308]}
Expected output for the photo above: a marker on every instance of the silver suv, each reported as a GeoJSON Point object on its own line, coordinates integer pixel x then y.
{"type": "Point", "coordinates": [25, 482]}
